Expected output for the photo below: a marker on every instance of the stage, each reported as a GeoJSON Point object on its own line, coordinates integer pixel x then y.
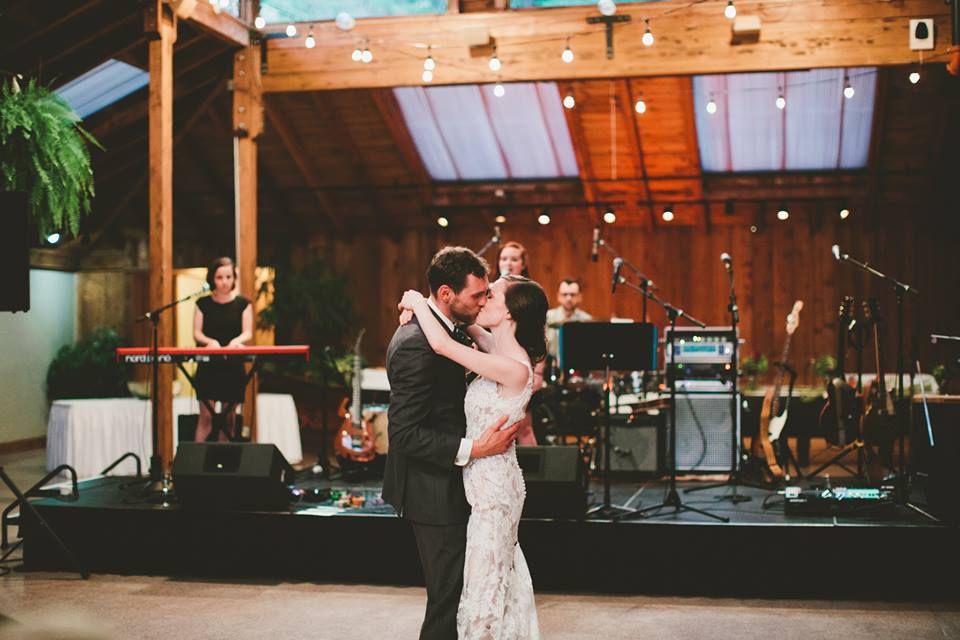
{"type": "Point", "coordinates": [886, 553]}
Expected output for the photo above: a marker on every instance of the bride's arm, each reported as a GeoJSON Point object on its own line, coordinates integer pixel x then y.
{"type": "Point", "coordinates": [507, 371]}
{"type": "Point", "coordinates": [482, 337]}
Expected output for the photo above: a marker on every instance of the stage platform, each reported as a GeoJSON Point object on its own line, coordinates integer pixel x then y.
{"type": "Point", "coordinates": [891, 552]}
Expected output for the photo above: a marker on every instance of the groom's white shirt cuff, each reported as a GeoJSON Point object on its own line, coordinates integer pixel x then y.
{"type": "Point", "coordinates": [466, 444]}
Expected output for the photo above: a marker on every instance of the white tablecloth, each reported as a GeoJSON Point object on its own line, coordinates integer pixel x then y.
{"type": "Point", "coordinates": [90, 434]}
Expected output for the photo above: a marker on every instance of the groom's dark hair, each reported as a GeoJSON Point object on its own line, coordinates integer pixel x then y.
{"type": "Point", "coordinates": [451, 266]}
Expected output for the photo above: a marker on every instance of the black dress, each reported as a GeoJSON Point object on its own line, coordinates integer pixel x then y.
{"type": "Point", "coordinates": [223, 381]}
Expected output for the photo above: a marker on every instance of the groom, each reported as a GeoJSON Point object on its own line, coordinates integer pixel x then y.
{"type": "Point", "coordinates": [423, 478]}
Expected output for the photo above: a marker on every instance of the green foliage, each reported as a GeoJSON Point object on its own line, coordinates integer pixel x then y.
{"type": "Point", "coordinates": [754, 365]}
{"type": "Point", "coordinates": [43, 153]}
{"type": "Point", "coordinates": [88, 368]}
{"type": "Point", "coordinates": [825, 365]}
{"type": "Point", "coordinates": [313, 305]}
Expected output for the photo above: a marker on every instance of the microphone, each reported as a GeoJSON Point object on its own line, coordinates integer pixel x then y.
{"type": "Point", "coordinates": [596, 244]}
{"type": "Point", "coordinates": [496, 234]}
{"type": "Point", "coordinates": [726, 260]}
{"type": "Point", "coordinates": [204, 289]}
{"type": "Point", "coordinates": [617, 264]}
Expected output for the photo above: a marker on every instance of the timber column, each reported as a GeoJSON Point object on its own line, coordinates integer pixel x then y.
{"type": "Point", "coordinates": [161, 28]}
{"type": "Point", "coordinates": [247, 127]}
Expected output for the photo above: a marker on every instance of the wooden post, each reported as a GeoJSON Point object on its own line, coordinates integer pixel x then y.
{"type": "Point", "coordinates": [162, 30]}
{"type": "Point", "coordinates": [247, 127]}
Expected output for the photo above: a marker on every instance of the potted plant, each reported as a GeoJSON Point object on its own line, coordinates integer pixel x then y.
{"type": "Point", "coordinates": [89, 368]}
{"type": "Point", "coordinates": [43, 153]}
{"type": "Point", "coordinates": [753, 366]}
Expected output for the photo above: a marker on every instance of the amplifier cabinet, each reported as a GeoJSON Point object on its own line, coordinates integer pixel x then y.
{"type": "Point", "coordinates": [705, 432]}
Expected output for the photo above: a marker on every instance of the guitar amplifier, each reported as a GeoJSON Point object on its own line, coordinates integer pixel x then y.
{"type": "Point", "coordinates": [705, 432]}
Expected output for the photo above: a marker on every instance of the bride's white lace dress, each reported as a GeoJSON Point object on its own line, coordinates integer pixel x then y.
{"type": "Point", "coordinates": [497, 600]}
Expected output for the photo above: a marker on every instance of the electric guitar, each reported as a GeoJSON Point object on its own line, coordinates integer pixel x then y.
{"type": "Point", "coordinates": [354, 439]}
{"type": "Point", "coordinates": [839, 419]}
{"type": "Point", "coordinates": [878, 424]}
{"type": "Point", "coordinates": [772, 420]}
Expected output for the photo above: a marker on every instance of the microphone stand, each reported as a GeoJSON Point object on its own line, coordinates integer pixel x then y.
{"type": "Point", "coordinates": [673, 498]}
{"type": "Point", "coordinates": [901, 495]}
{"type": "Point", "coordinates": [158, 482]}
{"type": "Point", "coordinates": [492, 241]}
{"type": "Point", "coordinates": [735, 479]}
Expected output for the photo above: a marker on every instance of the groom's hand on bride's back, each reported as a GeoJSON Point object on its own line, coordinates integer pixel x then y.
{"type": "Point", "coordinates": [495, 439]}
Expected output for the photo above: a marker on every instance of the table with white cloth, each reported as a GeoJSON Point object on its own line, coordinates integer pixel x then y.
{"type": "Point", "coordinates": [91, 434]}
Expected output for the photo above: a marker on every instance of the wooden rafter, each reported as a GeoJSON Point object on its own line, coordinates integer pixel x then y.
{"type": "Point", "coordinates": [222, 25]}
{"type": "Point", "coordinates": [304, 166]}
{"type": "Point", "coordinates": [580, 149]}
{"type": "Point", "coordinates": [694, 39]}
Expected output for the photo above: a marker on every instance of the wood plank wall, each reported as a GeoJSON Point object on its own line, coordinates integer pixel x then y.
{"type": "Point", "coordinates": [782, 262]}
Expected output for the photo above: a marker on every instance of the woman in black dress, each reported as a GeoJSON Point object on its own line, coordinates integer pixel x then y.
{"type": "Point", "coordinates": [222, 319]}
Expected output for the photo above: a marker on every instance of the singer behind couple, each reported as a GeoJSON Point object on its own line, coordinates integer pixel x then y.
{"type": "Point", "coordinates": [452, 471]}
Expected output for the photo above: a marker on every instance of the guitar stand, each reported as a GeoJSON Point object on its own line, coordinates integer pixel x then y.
{"type": "Point", "coordinates": [855, 446]}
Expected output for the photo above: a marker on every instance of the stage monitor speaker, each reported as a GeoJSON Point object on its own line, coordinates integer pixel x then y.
{"type": "Point", "coordinates": [635, 446]}
{"type": "Point", "coordinates": [14, 252]}
{"type": "Point", "coordinates": [705, 432]}
{"type": "Point", "coordinates": [232, 476]}
{"type": "Point", "coordinates": [554, 477]}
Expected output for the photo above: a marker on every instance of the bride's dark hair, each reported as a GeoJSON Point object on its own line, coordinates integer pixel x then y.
{"type": "Point", "coordinates": [528, 306]}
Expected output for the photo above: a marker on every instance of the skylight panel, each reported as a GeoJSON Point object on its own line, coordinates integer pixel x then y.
{"type": "Point", "coordinates": [102, 86]}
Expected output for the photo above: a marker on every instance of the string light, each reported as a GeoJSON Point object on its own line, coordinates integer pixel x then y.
{"type": "Point", "coordinates": [429, 64]}
{"type": "Point", "coordinates": [427, 75]}
{"type": "Point", "coordinates": [609, 216]}
{"type": "Point", "coordinates": [848, 91]}
{"type": "Point", "coordinates": [914, 77]}
{"type": "Point", "coordinates": [544, 218]}
{"type": "Point", "coordinates": [640, 107]}
{"type": "Point", "coordinates": [711, 106]}
{"type": "Point", "coordinates": [647, 38]}
{"type": "Point", "coordinates": [781, 101]}
{"type": "Point", "coordinates": [259, 22]}
{"type": "Point", "coordinates": [783, 214]}
{"type": "Point", "coordinates": [291, 30]}
{"type": "Point", "coordinates": [569, 102]}
{"type": "Point", "coordinates": [844, 213]}
{"type": "Point", "coordinates": [730, 11]}
{"type": "Point", "coordinates": [494, 64]}
{"type": "Point", "coordinates": [500, 219]}
{"type": "Point", "coordinates": [357, 55]}
{"type": "Point", "coordinates": [310, 42]}
{"type": "Point", "coordinates": [607, 7]}
{"type": "Point", "coordinates": [366, 57]}
{"type": "Point", "coordinates": [498, 90]}
{"type": "Point", "coordinates": [667, 214]}
{"type": "Point", "coordinates": [443, 222]}
{"type": "Point", "coordinates": [567, 55]}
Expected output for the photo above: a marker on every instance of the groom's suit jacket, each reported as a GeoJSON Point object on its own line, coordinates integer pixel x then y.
{"type": "Point", "coordinates": [425, 425]}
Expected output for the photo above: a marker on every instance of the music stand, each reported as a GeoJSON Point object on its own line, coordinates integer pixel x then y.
{"type": "Point", "coordinates": [606, 346]}
{"type": "Point", "coordinates": [673, 498]}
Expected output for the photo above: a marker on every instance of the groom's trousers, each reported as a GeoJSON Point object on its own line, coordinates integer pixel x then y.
{"type": "Point", "coordinates": [442, 549]}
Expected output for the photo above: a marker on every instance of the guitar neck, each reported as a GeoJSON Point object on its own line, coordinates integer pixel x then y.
{"type": "Point", "coordinates": [778, 381]}
{"type": "Point", "coordinates": [355, 410]}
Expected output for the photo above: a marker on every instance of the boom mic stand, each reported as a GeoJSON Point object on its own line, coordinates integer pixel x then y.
{"type": "Point", "coordinates": [492, 241]}
{"type": "Point", "coordinates": [901, 495]}
{"type": "Point", "coordinates": [673, 498]}
{"type": "Point", "coordinates": [158, 483]}
{"type": "Point", "coordinates": [735, 478]}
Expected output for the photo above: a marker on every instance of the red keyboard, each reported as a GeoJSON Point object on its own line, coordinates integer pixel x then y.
{"type": "Point", "coordinates": [143, 355]}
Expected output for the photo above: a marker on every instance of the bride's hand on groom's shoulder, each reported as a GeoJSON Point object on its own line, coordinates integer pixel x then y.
{"type": "Point", "coordinates": [406, 316]}
{"type": "Point", "coordinates": [409, 299]}
{"type": "Point", "coordinates": [495, 439]}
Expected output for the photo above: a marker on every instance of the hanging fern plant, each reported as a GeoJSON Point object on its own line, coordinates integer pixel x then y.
{"type": "Point", "coordinates": [43, 153]}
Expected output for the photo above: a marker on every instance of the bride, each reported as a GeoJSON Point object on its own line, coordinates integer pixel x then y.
{"type": "Point", "coordinates": [497, 599]}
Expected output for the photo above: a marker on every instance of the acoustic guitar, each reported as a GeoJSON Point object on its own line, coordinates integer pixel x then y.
{"type": "Point", "coordinates": [772, 419]}
{"type": "Point", "coordinates": [839, 420]}
{"type": "Point", "coordinates": [355, 438]}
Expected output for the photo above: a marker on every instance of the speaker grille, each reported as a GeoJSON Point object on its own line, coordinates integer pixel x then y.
{"type": "Point", "coordinates": [705, 432]}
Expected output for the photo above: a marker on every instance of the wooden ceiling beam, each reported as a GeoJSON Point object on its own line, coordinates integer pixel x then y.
{"type": "Point", "coordinates": [221, 24]}
{"type": "Point", "coordinates": [692, 38]}
{"type": "Point", "coordinates": [581, 150]}
{"type": "Point", "coordinates": [304, 165]}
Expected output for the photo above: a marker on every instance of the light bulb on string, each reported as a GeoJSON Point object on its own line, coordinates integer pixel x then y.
{"type": "Point", "coordinates": [609, 216]}
{"type": "Point", "coordinates": [844, 213]}
{"type": "Point", "coordinates": [914, 77]}
{"type": "Point", "coordinates": [781, 101]}
{"type": "Point", "coordinates": [500, 219]}
{"type": "Point", "coordinates": [730, 11]}
{"type": "Point", "coordinates": [494, 63]}
{"type": "Point", "coordinates": [366, 56]}
{"type": "Point", "coordinates": [357, 55]}
{"type": "Point", "coordinates": [640, 107]}
{"type": "Point", "coordinates": [443, 222]}
{"type": "Point", "coordinates": [848, 91]}
{"type": "Point", "coordinates": [567, 55]}
{"type": "Point", "coordinates": [607, 7]}
{"type": "Point", "coordinates": [291, 30]}
{"type": "Point", "coordinates": [498, 90]}
{"type": "Point", "coordinates": [569, 102]}
{"type": "Point", "coordinates": [783, 214]}
{"type": "Point", "coordinates": [429, 64]}
{"type": "Point", "coordinates": [310, 42]}
{"type": "Point", "coordinates": [427, 75]}
{"type": "Point", "coordinates": [711, 106]}
{"type": "Point", "coordinates": [667, 214]}
{"type": "Point", "coordinates": [259, 22]}
{"type": "Point", "coordinates": [544, 218]}
{"type": "Point", "coordinates": [647, 38]}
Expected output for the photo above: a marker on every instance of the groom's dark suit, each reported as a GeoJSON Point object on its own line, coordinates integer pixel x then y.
{"type": "Point", "coordinates": [426, 424]}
